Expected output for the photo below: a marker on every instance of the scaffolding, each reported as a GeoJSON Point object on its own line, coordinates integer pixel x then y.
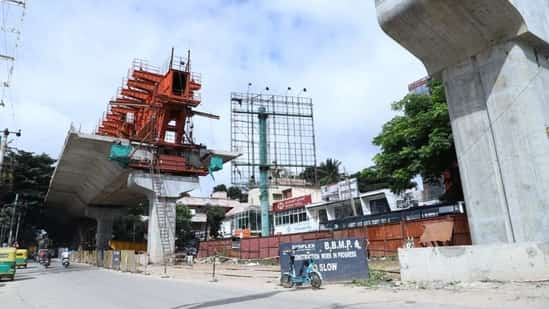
{"type": "Point", "coordinates": [291, 149]}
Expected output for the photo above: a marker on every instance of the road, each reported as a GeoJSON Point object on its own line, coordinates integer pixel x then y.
{"type": "Point", "coordinates": [82, 286]}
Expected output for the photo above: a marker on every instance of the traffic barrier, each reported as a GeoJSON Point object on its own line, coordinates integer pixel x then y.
{"type": "Point", "coordinates": [115, 264]}
{"type": "Point", "coordinates": [107, 259]}
{"type": "Point", "coordinates": [128, 261]}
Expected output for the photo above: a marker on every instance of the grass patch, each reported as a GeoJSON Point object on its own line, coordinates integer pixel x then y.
{"type": "Point", "coordinates": [375, 278]}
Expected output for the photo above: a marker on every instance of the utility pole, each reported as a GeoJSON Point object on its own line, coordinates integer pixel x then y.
{"type": "Point", "coordinates": [17, 228]}
{"type": "Point", "coordinates": [4, 147]}
{"type": "Point", "coordinates": [263, 172]}
{"type": "Point", "coordinates": [11, 219]}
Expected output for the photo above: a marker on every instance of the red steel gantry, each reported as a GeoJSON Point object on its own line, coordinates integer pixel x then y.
{"type": "Point", "coordinates": [155, 109]}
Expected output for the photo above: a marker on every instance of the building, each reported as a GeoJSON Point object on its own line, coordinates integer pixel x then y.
{"type": "Point", "coordinates": [278, 193]}
{"type": "Point", "coordinates": [242, 221]}
{"type": "Point", "coordinates": [200, 205]}
{"type": "Point", "coordinates": [290, 215]}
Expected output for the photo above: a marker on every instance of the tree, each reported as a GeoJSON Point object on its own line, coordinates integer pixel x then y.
{"type": "Point", "coordinates": [214, 217]}
{"type": "Point", "coordinates": [221, 187]}
{"type": "Point", "coordinates": [131, 227]}
{"type": "Point", "coordinates": [369, 179]}
{"type": "Point", "coordinates": [309, 174]}
{"type": "Point", "coordinates": [419, 141]}
{"type": "Point", "coordinates": [235, 193]}
{"type": "Point", "coordinates": [27, 175]}
{"type": "Point", "coordinates": [328, 171]}
{"type": "Point", "coordinates": [183, 223]}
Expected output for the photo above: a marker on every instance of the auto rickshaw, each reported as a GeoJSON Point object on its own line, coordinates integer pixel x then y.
{"type": "Point", "coordinates": [7, 263]}
{"type": "Point", "coordinates": [21, 256]}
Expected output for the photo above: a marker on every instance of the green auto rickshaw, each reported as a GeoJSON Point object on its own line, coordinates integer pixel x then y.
{"type": "Point", "coordinates": [21, 256]}
{"type": "Point", "coordinates": [7, 263]}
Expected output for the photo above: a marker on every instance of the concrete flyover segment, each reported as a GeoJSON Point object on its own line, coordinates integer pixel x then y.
{"type": "Point", "coordinates": [493, 58]}
{"type": "Point", "coordinates": [86, 184]}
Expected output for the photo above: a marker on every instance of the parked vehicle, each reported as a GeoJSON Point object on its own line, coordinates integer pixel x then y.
{"type": "Point", "coordinates": [21, 257]}
{"type": "Point", "coordinates": [308, 274]}
{"type": "Point", "coordinates": [7, 263]}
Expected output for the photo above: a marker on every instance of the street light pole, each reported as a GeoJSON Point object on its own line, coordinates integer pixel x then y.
{"type": "Point", "coordinates": [11, 219]}
{"type": "Point", "coordinates": [4, 147]}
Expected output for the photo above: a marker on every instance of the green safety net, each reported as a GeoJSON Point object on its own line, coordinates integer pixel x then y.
{"type": "Point", "coordinates": [216, 164]}
{"type": "Point", "coordinates": [121, 154]}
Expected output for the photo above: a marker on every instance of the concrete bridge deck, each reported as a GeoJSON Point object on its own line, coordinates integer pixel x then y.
{"type": "Point", "coordinates": [86, 184]}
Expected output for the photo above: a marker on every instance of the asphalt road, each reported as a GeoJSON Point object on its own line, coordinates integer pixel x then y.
{"type": "Point", "coordinates": [82, 286]}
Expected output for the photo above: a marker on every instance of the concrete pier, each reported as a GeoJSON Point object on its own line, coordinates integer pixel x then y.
{"type": "Point", "coordinates": [493, 58]}
{"type": "Point", "coordinates": [173, 187]}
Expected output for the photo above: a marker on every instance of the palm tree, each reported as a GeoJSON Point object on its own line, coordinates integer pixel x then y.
{"type": "Point", "coordinates": [328, 172]}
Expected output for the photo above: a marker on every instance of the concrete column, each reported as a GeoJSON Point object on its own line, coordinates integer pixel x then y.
{"type": "Point", "coordinates": [104, 232]}
{"type": "Point", "coordinates": [105, 218]}
{"type": "Point", "coordinates": [497, 106]}
{"type": "Point", "coordinates": [154, 243]}
{"type": "Point", "coordinates": [493, 58]}
{"type": "Point", "coordinates": [172, 187]}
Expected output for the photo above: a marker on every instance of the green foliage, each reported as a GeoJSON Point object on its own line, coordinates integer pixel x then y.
{"type": "Point", "coordinates": [221, 187]}
{"type": "Point", "coordinates": [183, 221]}
{"type": "Point", "coordinates": [28, 175]}
{"type": "Point", "coordinates": [215, 216]}
{"type": "Point", "coordinates": [369, 179]}
{"type": "Point", "coordinates": [235, 193]}
{"type": "Point", "coordinates": [328, 171]}
{"type": "Point", "coordinates": [419, 141]}
{"type": "Point", "coordinates": [130, 227]}
{"type": "Point", "coordinates": [375, 278]}
{"type": "Point", "coordinates": [309, 174]}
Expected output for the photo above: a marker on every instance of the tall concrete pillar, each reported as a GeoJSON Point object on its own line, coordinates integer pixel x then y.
{"type": "Point", "coordinates": [493, 58]}
{"type": "Point", "coordinates": [161, 210]}
{"type": "Point", "coordinates": [104, 232]}
{"type": "Point", "coordinates": [155, 248]}
{"type": "Point", "coordinates": [105, 219]}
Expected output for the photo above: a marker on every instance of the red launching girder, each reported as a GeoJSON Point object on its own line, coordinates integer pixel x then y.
{"type": "Point", "coordinates": [153, 108]}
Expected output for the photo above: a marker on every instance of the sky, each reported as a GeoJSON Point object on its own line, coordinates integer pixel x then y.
{"type": "Point", "coordinates": [73, 56]}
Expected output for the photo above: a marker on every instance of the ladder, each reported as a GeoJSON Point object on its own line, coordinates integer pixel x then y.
{"type": "Point", "coordinates": [164, 216]}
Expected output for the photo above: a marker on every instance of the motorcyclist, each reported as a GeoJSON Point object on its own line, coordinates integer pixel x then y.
{"type": "Point", "coordinates": [65, 258]}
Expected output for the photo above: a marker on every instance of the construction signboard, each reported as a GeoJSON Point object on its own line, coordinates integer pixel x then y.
{"type": "Point", "coordinates": [337, 260]}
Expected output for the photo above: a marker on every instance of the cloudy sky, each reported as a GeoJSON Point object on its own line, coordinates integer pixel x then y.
{"type": "Point", "coordinates": [74, 54]}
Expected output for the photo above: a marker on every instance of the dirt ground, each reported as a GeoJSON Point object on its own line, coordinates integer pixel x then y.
{"type": "Point", "coordinates": [385, 286]}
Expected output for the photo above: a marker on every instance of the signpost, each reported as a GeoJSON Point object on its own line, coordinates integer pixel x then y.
{"type": "Point", "coordinates": [337, 260]}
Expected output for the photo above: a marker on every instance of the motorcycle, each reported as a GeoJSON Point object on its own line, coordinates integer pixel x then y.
{"type": "Point", "coordinates": [65, 259]}
{"type": "Point", "coordinates": [44, 258]}
{"type": "Point", "coordinates": [308, 274]}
